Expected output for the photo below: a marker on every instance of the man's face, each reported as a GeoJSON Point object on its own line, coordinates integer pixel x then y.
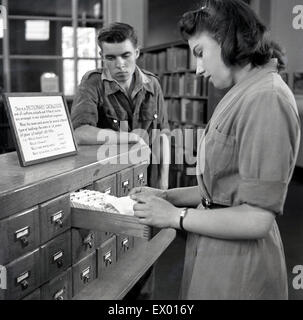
{"type": "Point", "coordinates": [120, 59]}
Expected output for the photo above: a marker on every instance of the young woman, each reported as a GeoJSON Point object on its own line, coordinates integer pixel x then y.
{"type": "Point", "coordinates": [244, 164]}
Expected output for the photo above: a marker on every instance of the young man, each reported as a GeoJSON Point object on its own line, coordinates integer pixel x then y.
{"type": "Point", "coordinates": [112, 102]}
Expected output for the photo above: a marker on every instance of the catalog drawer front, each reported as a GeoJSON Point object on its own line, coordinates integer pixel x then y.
{"type": "Point", "coordinates": [107, 255]}
{"type": "Point", "coordinates": [83, 243]}
{"type": "Point", "coordinates": [125, 182]}
{"type": "Point", "coordinates": [59, 288]}
{"type": "Point", "coordinates": [107, 185]}
{"type": "Point", "coordinates": [56, 256]}
{"type": "Point", "coordinates": [23, 276]}
{"type": "Point", "coordinates": [84, 272]}
{"type": "Point", "coordinates": [19, 234]}
{"type": "Point", "coordinates": [54, 217]}
{"type": "Point", "coordinates": [124, 245]}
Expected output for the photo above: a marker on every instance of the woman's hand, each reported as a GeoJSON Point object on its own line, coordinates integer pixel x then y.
{"type": "Point", "coordinates": [148, 191]}
{"type": "Point", "coordinates": [154, 211]}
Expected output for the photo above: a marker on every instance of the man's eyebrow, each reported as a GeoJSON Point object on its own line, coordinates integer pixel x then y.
{"type": "Point", "coordinates": [122, 54]}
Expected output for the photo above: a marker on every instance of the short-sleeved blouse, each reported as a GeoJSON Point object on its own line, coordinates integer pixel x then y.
{"type": "Point", "coordinates": [252, 142]}
{"type": "Point", "coordinates": [247, 156]}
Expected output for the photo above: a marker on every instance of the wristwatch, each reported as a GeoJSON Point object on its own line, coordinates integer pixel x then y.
{"type": "Point", "coordinates": [182, 216]}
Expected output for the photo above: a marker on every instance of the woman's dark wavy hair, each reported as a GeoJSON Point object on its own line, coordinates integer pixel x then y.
{"type": "Point", "coordinates": [243, 37]}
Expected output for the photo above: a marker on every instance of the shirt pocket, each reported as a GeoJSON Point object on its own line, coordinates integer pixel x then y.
{"type": "Point", "coordinates": [115, 116]}
{"type": "Point", "coordinates": [222, 153]}
{"type": "Point", "coordinates": [148, 113]}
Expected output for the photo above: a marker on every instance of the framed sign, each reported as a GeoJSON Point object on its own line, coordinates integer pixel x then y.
{"type": "Point", "coordinates": [41, 126]}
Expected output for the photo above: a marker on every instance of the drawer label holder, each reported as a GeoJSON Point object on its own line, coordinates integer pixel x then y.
{"type": "Point", "coordinates": [85, 275]}
{"type": "Point", "coordinates": [57, 217]}
{"type": "Point", "coordinates": [22, 233]}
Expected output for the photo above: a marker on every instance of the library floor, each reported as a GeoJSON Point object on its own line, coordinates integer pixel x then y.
{"type": "Point", "coordinates": [170, 265]}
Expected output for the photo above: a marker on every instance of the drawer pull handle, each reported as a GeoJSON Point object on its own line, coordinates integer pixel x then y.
{"type": "Point", "coordinates": [24, 284]}
{"type": "Point", "coordinates": [108, 190]}
{"type": "Point", "coordinates": [59, 294]}
{"type": "Point", "coordinates": [125, 244]}
{"type": "Point", "coordinates": [57, 218]}
{"type": "Point", "coordinates": [24, 241]}
{"type": "Point", "coordinates": [58, 259]}
{"type": "Point", "coordinates": [22, 279]}
{"type": "Point", "coordinates": [107, 258]}
{"type": "Point", "coordinates": [125, 185]}
{"type": "Point", "coordinates": [59, 263]}
{"type": "Point", "coordinates": [88, 241]}
{"type": "Point", "coordinates": [85, 275]}
{"type": "Point", "coordinates": [22, 235]}
{"type": "Point", "coordinates": [141, 179]}
{"type": "Point", "coordinates": [86, 278]}
{"type": "Point", "coordinates": [60, 222]}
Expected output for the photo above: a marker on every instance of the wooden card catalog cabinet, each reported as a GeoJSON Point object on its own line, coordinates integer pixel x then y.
{"type": "Point", "coordinates": [54, 252]}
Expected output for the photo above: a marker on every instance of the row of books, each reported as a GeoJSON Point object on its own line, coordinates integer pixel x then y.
{"type": "Point", "coordinates": [184, 84]}
{"type": "Point", "coordinates": [188, 111]}
{"type": "Point", "coordinates": [298, 83]}
{"type": "Point", "coordinates": [168, 60]}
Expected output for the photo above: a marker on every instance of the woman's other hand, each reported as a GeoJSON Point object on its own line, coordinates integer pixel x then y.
{"type": "Point", "coordinates": [155, 211]}
{"type": "Point", "coordinates": [148, 191]}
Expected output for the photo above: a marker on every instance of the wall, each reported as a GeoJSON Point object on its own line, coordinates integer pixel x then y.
{"type": "Point", "coordinates": [133, 12]}
{"type": "Point", "coordinates": [163, 17]}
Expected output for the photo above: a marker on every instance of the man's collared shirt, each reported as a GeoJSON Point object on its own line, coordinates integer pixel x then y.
{"type": "Point", "coordinates": [101, 102]}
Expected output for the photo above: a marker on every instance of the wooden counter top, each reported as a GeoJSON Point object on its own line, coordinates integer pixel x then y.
{"type": "Point", "coordinates": [23, 187]}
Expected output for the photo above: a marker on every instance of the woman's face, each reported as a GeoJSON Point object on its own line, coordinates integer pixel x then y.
{"type": "Point", "coordinates": [209, 60]}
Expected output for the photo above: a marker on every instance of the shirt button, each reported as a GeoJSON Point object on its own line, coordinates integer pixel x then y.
{"type": "Point", "coordinates": [155, 116]}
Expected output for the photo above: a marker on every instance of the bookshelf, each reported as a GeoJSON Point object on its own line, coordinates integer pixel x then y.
{"type": "Point", "coordinates": [190, 101]}
{"type": "Point", "coordinates": [68, 50]}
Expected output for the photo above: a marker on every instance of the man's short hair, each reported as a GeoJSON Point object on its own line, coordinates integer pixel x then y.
{"type": "Point", "coordinates": [117, 32]}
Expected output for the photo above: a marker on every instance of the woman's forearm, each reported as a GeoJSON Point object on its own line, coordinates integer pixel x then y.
{"type": "Point", "coordinates": [184, 197]}
{"type": "Point", "coordinates": [233, 223]}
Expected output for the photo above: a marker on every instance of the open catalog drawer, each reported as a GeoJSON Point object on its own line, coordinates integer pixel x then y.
{"type": "Point", "coordinates": [98, 211]}
{"type": "Point", "coordinates": [131, 267]}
